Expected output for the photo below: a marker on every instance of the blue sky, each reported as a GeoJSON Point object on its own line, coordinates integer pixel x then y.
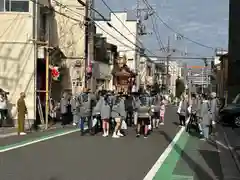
{"type": "Point", "coordinates": [204, 21]}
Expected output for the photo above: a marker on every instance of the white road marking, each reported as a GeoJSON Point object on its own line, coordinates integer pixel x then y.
{"type": "Point", "coordinates": [153, 171]}
{"type": "Point", "coordinates": [222, 144]}
{"type": "Point", "coordinates": [19, 145]}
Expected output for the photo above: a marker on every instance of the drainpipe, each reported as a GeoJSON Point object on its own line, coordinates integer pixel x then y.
{"type": "Point", "coordinates": [35, 37]}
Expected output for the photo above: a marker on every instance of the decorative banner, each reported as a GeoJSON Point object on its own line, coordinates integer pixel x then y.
{"type": "Point", "coordinates": [55, 73]}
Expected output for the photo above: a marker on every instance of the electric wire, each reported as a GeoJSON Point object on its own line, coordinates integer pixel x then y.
{"type": "Point", "coordinates": [104, 2]}
{"type": "Point", "coordinates": [74, 19]}
{"type": "Point", "coordinates": [176, 32]}
{"type": "Point", "coordinates": [77, 20]}
{"type": "Point", "coordinates": [110, 25]}
{"type": "Point", "coordinates": [158, 38]}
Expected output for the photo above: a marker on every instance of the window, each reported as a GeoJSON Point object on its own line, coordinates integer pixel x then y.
{"type": "Point", "coordinates": [1, 6]}
{"type": "Point", "coordinates": [14, 5]}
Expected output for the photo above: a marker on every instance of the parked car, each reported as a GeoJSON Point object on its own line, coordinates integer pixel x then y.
{"type": "Point", "coordinates": [230, 114]}
{"type": "Point", "coordinates": [144, 109]}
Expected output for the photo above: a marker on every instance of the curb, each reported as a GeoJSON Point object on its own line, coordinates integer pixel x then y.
{"type": "Point", "coordinates": [28, 131]}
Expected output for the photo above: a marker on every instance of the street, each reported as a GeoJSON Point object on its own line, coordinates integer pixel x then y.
{"type": "Point", "coordinates": [70, 156]}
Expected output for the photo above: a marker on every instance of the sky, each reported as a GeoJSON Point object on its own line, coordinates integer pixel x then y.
{"type": "Point", "coordinates": [204, 21]}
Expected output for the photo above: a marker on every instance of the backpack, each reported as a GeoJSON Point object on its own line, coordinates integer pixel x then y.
{"type": "Point", "coordinates": [108, 100]}
{"type": "Point", "coordinates": [84, 100]}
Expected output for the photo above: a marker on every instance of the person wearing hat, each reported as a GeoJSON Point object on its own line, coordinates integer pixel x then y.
{"type": "Point", "coordinates": [22, 111]}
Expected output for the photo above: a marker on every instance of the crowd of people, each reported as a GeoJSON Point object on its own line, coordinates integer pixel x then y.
{"type": "Point", "coordinates": [110, 112]}
{"type": "Point", "coordinates": [202, 111]}
{"type": "Point", "coordinates": [3, 107]}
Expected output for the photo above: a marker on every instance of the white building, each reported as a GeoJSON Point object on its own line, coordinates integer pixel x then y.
{"type": "Point", "coordinates": [126, 46]}
{"type": "Point", "coordinates": [175, 72]}
{"type": "Point", "coordinates": [146, 72]}
{"type": "Point", "coordinates": [17, 52]}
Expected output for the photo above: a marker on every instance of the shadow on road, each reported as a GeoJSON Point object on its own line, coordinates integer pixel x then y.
{"type": "Point", "coordinates": [195, 167]}
{"type": "Point", "coordinates": [176, 123]}
{"type": "Point", "coordinates": [213, 160]}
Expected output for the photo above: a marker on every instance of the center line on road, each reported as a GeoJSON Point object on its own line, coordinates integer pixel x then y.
{"type": "Point", "coordinates": [153, 171]}
{"type": "Point", "coordinates": [37, 140]}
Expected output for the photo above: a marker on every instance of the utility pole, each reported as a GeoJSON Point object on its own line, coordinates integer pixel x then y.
{"type": "Point", "coordinates": [141, 31]}
{"type": "Point", "coordinates": [137, 61]}
{"type": "Point", "coordinates": [168, 59]}
{"type": "Point", "coordinates": [202, 80]}
{"type": "Point", "coordinates": [91, 35]}
{"type": "Point", "coordinates": [86, 43]}
{"type": "Point", "coordinates": [47, 88]}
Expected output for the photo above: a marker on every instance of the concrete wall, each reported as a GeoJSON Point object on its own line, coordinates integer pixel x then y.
{"type": "Point", "coordinates": [17, 58]}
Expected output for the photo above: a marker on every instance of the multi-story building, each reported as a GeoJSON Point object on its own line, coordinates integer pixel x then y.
{"type": "Point", "coordinates": [105, 56]}
{"type": "Point", "coordinates": [126, 45]}
{"type": "Point", "coordinates": [146, 72]}
{"type": "Point", "coordinates": [25, 28]}
{"type": "Point", "coordinates": [18, 52]}
{"type": "Point", "coordinates": [175, 72]}
{"type": "Point", "coordinates": [68, 34]}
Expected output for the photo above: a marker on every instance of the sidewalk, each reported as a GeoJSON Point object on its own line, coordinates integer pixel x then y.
{"type": "Point", "coordinates": [7, 131]}
{"type": "Point", "coordinates": [12, 131]}
{"type": "Point", "coordinates": [206, 160]}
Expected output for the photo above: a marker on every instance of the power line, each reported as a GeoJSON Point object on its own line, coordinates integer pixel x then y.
{"type": "Point", "coordinates": [160, 43]}
{"type": "Point", "coordinates": [175, 58]}
{"type": "Point", "coordinates": [135, 35]}
{"type": "Point", "coordinates": [77, 20]}
{"type": "Point", "coordinates": [176, 32]}
{"type": "Point", "coordinates": [52, 9]}
{"type": "Point", "coordinates": [110, 25]}
{"type": "Point", "coordinates": [71, 10]}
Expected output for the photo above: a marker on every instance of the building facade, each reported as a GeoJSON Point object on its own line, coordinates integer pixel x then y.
{"type": "Point", "coordinates": [26, 29]}
{"type": "Point", "coordinates": [125, 47]}
{"type": "Point", "coordinates": [68, 34]}
{"type": "Point", "coordinates": [18, 52]}
{"type": "Point", "coordinates": [175, 72]}
{"type": "Point", "coordinates": [105, 56]}
{"type": "Point", "coordinates": [146, 72]}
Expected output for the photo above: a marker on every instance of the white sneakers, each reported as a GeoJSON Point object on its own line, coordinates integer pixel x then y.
{"type": "Point", "coordinates": [22, 133]}
{"type": "Point", "coordinates": [117, 135]}
{"type": "Point", "coordinates": [120, 134]}
{"type": "Point", "coordinates": [105, 134]}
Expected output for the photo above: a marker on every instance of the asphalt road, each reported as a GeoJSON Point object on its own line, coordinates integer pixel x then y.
{"type": "Point", "coordinates": [73, 157]}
